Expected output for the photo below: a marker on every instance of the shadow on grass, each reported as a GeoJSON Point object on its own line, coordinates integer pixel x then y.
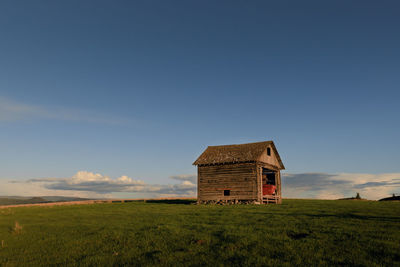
{"type": "Point", "coordinates": [172, 201]}
{"type": "Point", "coordinates": [296, 236]}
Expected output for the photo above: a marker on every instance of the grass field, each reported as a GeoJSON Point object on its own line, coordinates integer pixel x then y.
{"type": "Point", "coordinates": [298, 232]}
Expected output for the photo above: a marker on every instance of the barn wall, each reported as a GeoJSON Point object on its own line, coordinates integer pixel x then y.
{"type": "Point", "coordinates": [269, 159]}
{"type": "Point", "coordinates": [241, 179]}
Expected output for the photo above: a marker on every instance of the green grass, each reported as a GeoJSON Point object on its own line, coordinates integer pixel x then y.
{"type": "Point", "coordinates": [298, 232]}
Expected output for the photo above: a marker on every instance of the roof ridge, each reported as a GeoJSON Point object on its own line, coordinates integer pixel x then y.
{"type": "Point", "coordinates": [236, 153]}
{"type": "Point", "coordinates": [270, 141]}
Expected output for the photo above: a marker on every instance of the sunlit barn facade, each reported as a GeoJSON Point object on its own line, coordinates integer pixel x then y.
{"type": "Point", "coordinates": [240, 173]}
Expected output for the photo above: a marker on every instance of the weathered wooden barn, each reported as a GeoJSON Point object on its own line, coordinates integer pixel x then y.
{"type": "Point", "coordinates": [240, 173]}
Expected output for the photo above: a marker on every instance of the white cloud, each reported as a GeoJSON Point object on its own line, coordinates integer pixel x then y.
{"type": "Point", "coordinates": [100, 184]}
{"type": "Point", "coordinates": [39, 189]}
{"type": "Point", "coordinates": [11, 110]}
{"type": "Point", "coordinates": [185, 177]}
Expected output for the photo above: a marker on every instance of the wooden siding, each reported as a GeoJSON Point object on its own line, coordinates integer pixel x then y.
{"type": "Point", "coordinates": [279, 186]}
{"type": "Point", "coordinates": [240, 179]}
{"type": "Point", "coordinates": [272, 160]}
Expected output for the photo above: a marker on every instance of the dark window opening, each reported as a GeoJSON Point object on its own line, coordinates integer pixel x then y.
{"type": "Point", "coordinates": [269, 151]}
{"type": "Point", "coordinates": [227, 192]}
{"type": "Point", "coordinates": [268, 176]}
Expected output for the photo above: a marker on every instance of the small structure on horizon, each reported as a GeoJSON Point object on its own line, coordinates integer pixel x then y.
{"type": "Point", "coordinates": [240, 173]}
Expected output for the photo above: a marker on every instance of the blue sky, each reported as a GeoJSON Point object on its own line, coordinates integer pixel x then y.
{"type": "Point", "coordinates": [140, 88]}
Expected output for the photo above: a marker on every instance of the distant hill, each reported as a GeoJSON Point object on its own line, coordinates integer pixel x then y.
{"type": "Point", "coordinates": [352, 198]}
{"type": "Point", "coordinates": [60, 198]}
{"type": "Point", "coordinates": [357, 197]}
{"type": "Point", "coordinates": [393, 198]}
{"type": "Point", "coordinates": [16, 200]}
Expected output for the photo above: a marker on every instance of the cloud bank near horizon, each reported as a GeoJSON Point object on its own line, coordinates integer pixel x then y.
{"type": "Point", "coordinates": [300, 185]}
{"type": "Point", "coordinates": [95, 185]}
{"type": "Point", "coordinates": [341, 185]}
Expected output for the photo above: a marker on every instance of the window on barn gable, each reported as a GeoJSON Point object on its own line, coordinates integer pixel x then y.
{"type": "Point", "coordinates": [227, 192]}
{"type": "Point", "coordinates": [269, 151]}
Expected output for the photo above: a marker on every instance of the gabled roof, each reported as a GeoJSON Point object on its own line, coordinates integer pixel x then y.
{"type": "Point", "coordinates": [236, 153]}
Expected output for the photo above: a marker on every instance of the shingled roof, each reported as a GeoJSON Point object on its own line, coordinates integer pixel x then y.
{"type": "Point", "coordinates": [236, 153]}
